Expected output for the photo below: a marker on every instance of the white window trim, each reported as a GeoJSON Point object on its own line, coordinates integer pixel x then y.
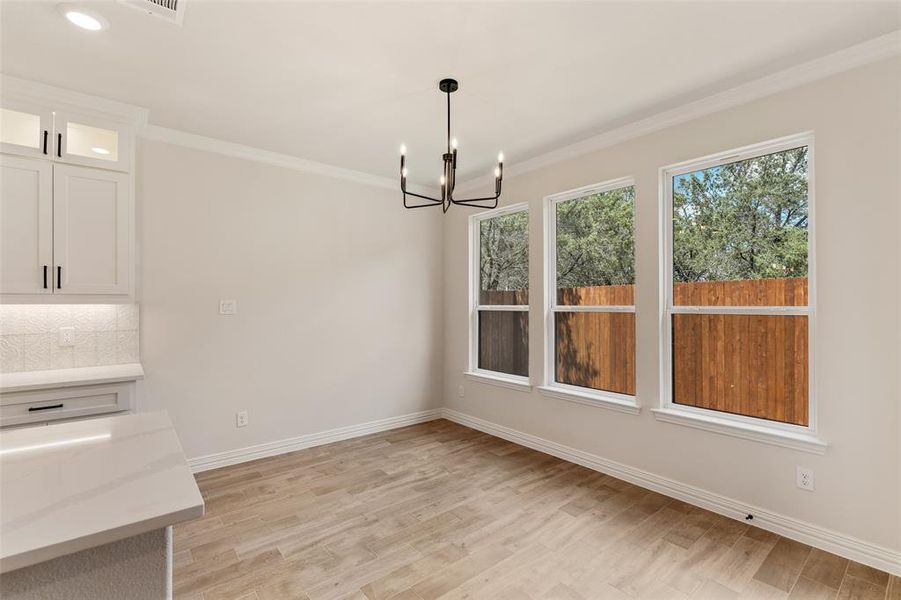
{"type": "Point", "coordinates": [552, 388]}
{"type": "Point", "coordinates": [474, 373]}
{"type": "Point", "coordinates": [610, 400]}
{"type": "Point", "coordinates": [772, 432]}
{"type": "Point", "coordinates": [504, 380]}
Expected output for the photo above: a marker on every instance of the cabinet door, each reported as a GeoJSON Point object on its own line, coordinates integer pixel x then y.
{"type": "Point", "coordinates": [26, 225]}
{"type": "Point", "coordinates": [91, 217]}
{"type": "Point", "coordinates": [84, 141]}
{"type": "Point", "coordinates": [25, 130]}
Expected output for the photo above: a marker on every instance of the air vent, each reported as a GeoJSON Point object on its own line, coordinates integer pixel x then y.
{"type": "Point", "coordinates": [170, 10]}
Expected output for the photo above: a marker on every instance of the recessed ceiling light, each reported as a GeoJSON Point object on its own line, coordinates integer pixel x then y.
{"type": "Point", "coordinates": [98, 150]}
{"type": "Point", "coordinates": [83, 18]}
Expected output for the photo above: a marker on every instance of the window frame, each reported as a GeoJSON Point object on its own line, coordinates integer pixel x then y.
{"type": "Point", "coordinates": [626, 403]}
{"type": "Point", "coordinates": [508, 380]}
{"type": "Point", "coordinates": [785, 434]}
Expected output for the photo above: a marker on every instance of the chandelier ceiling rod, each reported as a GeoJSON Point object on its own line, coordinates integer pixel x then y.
{"type": "Point", "coordinates": [449, 175]}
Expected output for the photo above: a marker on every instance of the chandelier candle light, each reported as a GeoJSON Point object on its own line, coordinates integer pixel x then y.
{"type": "Point", "coordinates": [449, 176]}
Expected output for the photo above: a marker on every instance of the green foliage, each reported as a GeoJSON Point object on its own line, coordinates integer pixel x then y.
{"type": "Point", "coordinates": [504, 252]}
{"type": "Point", "coordinates": [743, 220]}
{"type": "Point", "coordinates": [595, 239]}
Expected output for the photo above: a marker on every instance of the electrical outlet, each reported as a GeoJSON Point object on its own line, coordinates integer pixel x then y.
{"type": "Point", "coordinates": [228, 307]}
{"type": "Point", "coordinates": [804, 478]}
{"type": "Point", "coordinates": [460, 391]}
{"type": "Point", "coordinates": [66, 336]}
{"type": "Point", "coordinates": [241, 418]}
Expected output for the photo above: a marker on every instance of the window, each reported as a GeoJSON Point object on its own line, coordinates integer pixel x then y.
{"type": "Point", "coordinates": [738, 301]}
{"type": "Point", "coordinates": [500, 298]}
{"type": "Point", "coordinates": [591, 289]}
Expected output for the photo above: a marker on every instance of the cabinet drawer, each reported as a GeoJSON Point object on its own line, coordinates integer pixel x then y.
{"type": "Point", "coordinates": [37, 406]}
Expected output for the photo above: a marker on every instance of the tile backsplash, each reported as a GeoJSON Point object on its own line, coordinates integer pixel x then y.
{"type": "Point", "coordinates": [105, 334]}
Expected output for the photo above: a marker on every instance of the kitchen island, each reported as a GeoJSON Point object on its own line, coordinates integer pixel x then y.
{"type": "Point", "coordinates": [86, 508]}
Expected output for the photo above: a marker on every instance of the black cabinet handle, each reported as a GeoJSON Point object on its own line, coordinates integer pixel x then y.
{"type": "Point", "coordinates": [45, 142]}
{"type": "Point", "coordinates": [59, 145]}
{"type": "Point", "coordinates": [45, 277]}
{"type": "Point", "coordinates": [37, 408]}
{"type": "Point", "coordinates": [59, 278]}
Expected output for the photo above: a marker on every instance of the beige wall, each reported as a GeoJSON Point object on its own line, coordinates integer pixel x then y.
{"type": "Point", "coordinates": [855, 118]}
{"type": "Point", "coordinates": [339, 299]}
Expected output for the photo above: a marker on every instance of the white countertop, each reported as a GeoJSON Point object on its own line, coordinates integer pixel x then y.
{"type": "Point", "coordinates": [57, 378]}
{"type": "Point", "coordinates": [72, 486]}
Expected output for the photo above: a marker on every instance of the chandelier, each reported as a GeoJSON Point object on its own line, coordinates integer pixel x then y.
{"type": "Point", "coordinates": [449, 175]}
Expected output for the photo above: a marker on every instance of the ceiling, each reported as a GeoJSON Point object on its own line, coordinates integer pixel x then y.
{"type": "Point", "coordinates": [346, 83]}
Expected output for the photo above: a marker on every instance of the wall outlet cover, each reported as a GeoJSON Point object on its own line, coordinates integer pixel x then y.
{"type": "Point", "coordinates": [241, 418]}
{"type": "Point", "coordinates": [66, 336]}
{"type": "Point", "coordinates": [804, 478]}
{"type": "Point", "coordinates": [228, 307]}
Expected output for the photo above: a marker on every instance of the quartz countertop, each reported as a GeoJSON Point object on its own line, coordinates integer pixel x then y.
{"type": "Point", "coordinates": [57, 378]}
{"type": "Point", "coordinates": [72, 486]}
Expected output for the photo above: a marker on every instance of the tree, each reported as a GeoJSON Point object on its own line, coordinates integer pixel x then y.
{"type": "Point", "coordinates": [742, 220]}
{"type": "Point", "coordinates": [595, 240]}
{"type": "Point", "coordinates": [504, 252]}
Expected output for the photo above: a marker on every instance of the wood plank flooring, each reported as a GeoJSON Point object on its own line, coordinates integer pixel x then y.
{"type": "Point", "coordinates": [442, 511]}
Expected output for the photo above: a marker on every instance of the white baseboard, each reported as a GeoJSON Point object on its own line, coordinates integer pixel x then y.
{"type": "Point", "coordinates": [240, 455]}
{"type": "Point", "coordinates": [875, 556]}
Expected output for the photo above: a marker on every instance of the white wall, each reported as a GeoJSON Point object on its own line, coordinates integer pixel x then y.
{"type": "Point", "coordinates": [339, 296]}
{"type": "Point", "coordinates": [855, 118]}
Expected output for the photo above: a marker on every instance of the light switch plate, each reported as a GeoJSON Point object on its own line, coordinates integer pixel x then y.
{"type": "Point", "coordinates": [66, 336]}
{"type": "Point", "coordinates": [228, 307]}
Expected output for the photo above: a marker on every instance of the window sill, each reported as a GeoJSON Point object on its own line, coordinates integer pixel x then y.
{"type": "Point", "coordinates": [591, 399]}
{"type": "Point", "coordinates": [520, 385]}
{"type": "Point", "coordinates": [804, 442]}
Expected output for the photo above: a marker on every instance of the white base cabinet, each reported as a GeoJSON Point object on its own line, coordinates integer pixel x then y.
{"type": "Point", "coordinates": [42, 406]}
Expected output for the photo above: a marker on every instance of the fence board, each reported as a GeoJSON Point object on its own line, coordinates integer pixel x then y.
{"type": "Point", "coordinates": [753, 365]}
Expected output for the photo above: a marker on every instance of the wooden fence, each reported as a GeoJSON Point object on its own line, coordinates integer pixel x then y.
{"type": "Point", "coordinates": [754, 365]}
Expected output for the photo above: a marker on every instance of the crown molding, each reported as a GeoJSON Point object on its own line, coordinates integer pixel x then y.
{"type": "Point", "coordinates": [33, 92]}
{"type": "Point", "coordinates": [879, 48]}
{"type": "Point", "coordinates": [287, 161]}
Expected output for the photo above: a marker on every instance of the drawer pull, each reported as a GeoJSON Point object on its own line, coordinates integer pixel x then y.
{"type": "Point", "coordinates": [48, 407]}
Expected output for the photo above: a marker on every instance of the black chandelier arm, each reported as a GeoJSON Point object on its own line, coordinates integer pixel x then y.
{"type": "Point", "coordinates": [431, 201]}
{"type": "Point", "coordinates": [474, 202]}
{"type": "Point", "coordinates": [403, 189]}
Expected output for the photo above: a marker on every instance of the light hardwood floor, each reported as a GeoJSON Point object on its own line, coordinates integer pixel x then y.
{"type": "Point", "coordinates": [442, 511]}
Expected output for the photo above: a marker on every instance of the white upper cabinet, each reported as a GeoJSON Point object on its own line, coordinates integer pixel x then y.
{"type": "Point", "coordinates": [91, 231]}
{"type": "Point", "coordinates": [85, 141]}
{"type": "Point", "coordinates": [66, 195]}
{"type": "Point", "coordinates": [26, 129]}
{"type": "Point", "coordinates": [26, 225]}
